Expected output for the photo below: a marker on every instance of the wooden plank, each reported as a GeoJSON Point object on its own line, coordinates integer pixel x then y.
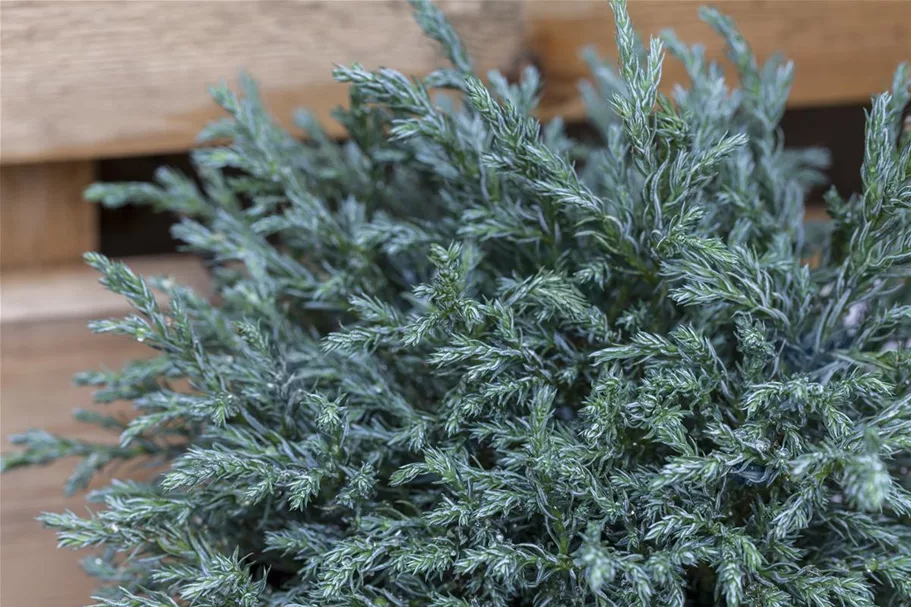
{"type": "Point", "coordinates": [93, 78]}
{"type": "Point", "coordinates": [43, 217]}
{"type": "Point", "coordinates": [39, 352]}
{"type": "Point", "coordinates": [844, 52]}
{"type": "Point", "coordinates": [37, 361]}
{"type": "Point", "coordinates": [135, 72]}
{"type": "Point", "coordinates": [73, 291]}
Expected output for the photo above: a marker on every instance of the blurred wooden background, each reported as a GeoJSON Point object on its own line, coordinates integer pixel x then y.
{"type": "Point", "coordinates": [84, 81]}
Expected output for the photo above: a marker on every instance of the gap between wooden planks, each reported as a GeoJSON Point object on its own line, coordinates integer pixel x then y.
{"type": "Point", "coordinates": [43, 342]}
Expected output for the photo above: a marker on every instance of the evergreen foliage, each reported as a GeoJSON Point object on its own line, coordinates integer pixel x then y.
{"type": "Point", "coordinates": [461, 360]}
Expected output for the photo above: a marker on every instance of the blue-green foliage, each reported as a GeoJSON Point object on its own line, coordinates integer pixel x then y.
{"type": "Point", "coordinates": [461, 360]}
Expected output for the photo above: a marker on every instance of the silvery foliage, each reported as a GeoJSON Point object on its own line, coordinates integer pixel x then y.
{"type": "Point", "coordinates": [460, 359]}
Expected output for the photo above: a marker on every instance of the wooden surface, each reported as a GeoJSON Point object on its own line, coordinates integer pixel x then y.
{"type": "Point", "coordinates": [73, 291]}
{"type": "Point", "coordinates": [91, 78]}
{"type": "Point", "coordinates": [41, 347]}
{"type": "Point", "coordinates": [844, 52]}
{"type": "Point", "coordinates": [88, 79]}
{"type": "Point", "coordinates": [36, 363]}
{"type": "Point", "coordinates": [43, 218]}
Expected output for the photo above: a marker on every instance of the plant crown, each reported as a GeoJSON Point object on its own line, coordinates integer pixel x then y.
{"type": "Point", "coordinates": [461, 359]}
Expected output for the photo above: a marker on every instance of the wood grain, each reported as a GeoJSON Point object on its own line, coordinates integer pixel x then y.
{"type": "Point", "coordinates": [39, 352]}
{"type": "Point", "coordinates": [88, 78]}
{"type": "Point", "coordinates": [73, 291]}
{"type": "Point", "coordinates": [844, 52]}
{"type": "Point", "coordinates": [91, 78]}
{"type": "Point", "coordinates": [37, 361]}
{"type": "Point", "coordinates": [43, 217]}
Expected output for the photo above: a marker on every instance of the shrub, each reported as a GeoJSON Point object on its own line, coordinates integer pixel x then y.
{"type": "Point", "coordinates": [460, 359]}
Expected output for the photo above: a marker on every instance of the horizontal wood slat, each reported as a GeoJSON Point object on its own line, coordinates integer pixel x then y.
{"type": "Point", "coordinates": [43, 318]}
{"type": "Point", "coordinates": [844, 52]}
{"type": "Point", "coordinates": [36, 364]}
{"type": "Point", "coordinates": [93, 78]}
{"type": "Point", "coordinates": [73, 291]}
{"type": "Point", "coordinates": [90, 78]}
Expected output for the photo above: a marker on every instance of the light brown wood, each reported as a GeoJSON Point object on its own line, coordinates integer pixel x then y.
{"type": "Point", "coordinates": [73, 291]}
{"type": "Point", "coordinates": [88, 79]}
{"type": "Point", "coordinates": [43, 217]}
{"type": "Point", "coordinates": [37, 361]}
{"type": "Point", "coordinates": [39, 352]}
{"type": "Point", "coordinates": [844, 52]}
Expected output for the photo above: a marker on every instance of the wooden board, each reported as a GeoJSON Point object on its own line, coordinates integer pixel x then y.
{"type": "Point", "coordinates": [844, 52]}
{"type": "Point", "coordinates": [72, 291]}
{"type": "Point", "coordinates": [43, 217]}
{"type": "Point", "coordinates": [93, 78]}
{"type": "Point", "coordinates": [41, 346]}
{"type": "Point", "coordinates": [36, 364]}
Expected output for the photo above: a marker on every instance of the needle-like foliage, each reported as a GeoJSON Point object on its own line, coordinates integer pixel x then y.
{"type": "Point", "coordinates": [461, 360]}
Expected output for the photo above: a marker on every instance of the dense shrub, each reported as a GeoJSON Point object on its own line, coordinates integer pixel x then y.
{"type": "Point", "coordinates": [460, 359]}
